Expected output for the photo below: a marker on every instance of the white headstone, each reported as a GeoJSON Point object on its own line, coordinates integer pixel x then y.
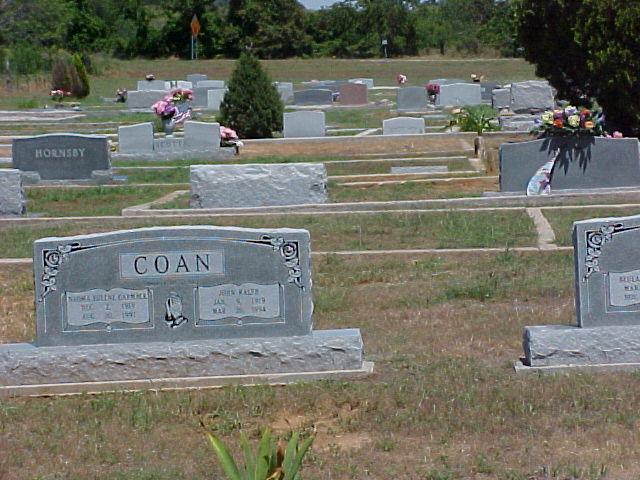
{"type": "Point", "coordinates": [304, 124]}
{"type": "Point", "coordinates": [403, 126]}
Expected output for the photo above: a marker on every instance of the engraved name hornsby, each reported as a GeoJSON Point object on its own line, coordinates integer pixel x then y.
{"type": "Point", "coordinates": [59, 152]}
{"type": "Point", "coordinates": [135, 265]}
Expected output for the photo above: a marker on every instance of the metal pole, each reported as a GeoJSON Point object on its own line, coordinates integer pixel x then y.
{"type": "Point", "coordinates": [191, 47]}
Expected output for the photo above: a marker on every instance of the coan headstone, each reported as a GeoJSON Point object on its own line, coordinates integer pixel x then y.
{"type": "Point", "coordinates": [257, 185]}
{"type": "Point", "coordinates": [144, 99]}
{"type": "Point", "coordinates": [194, 78]}
{"type": "Point", "coordinates": [214, 98]}
{"type": "Point", "coordinates": [366, 81]}
{"type": "Point", "coordinates": [201, 136]}
{"type": "Point", "coordinates": [135, 138]}
{"type": "Point", "coordinates": [317, 96]}
{"type": "Point", "coordinates": [303, 124]}
{"type": "Point", "coordinates": [179, 305]}
{"type": "Point", "coordinates": [459, 94]}
{"type": "Point", "coordinates": [531, 96]}
{"type": "Point", "coordinates": [412, 99]}
{"type": "Point", "coordinates": [353, 94]}
{"type": "Point", "coordinates": [584, 162]}
{"type": "Point", "coordinates": [12, 197]}
{"type": "Point", "coordinates": [403, 126]}
{"type": "Point", "coordinates": [62, 156]}
{"type": "Point", "coordinates": [607, 286]}
{"type": "Point", "coordinates": [145, 85]}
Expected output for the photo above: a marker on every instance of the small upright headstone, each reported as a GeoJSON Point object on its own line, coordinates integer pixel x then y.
{"type": "Point", "coordinates": [412, 99]}
{"type": "Point", "coordinates": [501, 98]}
{"type": "Point", "coordinates": [607, 286]}
{"type": "Point", "coordinates": [201, 136]}
{"type": "Point", "coordinates": [201, 94]}
{"type": "Point", "coordinates": [353, 94]}
{"type": "Point", "coordinates": [144, 99]}
{"type": "Point", "coordinates": [487, 91]}
{"type": "Point", "coordinates": [257, 185]}
{"type": "Point", "coordinates": [459, 94]}
{"type": "Point", "coordinates": [304, 124]}
{"type": "Point", "coordinates": [144, 85]}
{"type": "Point", "coordinates": [531, 96]}
{"type": "Point", "coordinates": [135, 138]}
{"type": "Point", "coordinates": [403, 126]}
{"type": "Point", "coordinates": [367, 81]}
{"type": "Point", "coordinates": [318, 96]}
{"type": "Point", "coordinates": [62, 156]}
{"type": "Point", "coordinates": [194, 78]}
{"type": "Point", "coordinates": [285, 90]}
{"type": "Point", "coordinates": [214, 98]}
{"type": "Point", "coordinates": [12, 197]}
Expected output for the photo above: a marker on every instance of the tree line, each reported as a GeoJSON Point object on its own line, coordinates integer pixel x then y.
{"type": "Point", "coordinates": [31, 29]}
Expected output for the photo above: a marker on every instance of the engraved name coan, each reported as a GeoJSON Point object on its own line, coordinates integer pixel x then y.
{"type": "Point", "coordinates": [136, 265]}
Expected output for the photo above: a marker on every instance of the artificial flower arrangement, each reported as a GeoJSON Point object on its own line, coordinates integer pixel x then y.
{"type": "Point", "coordinates": [570, 121]}
{"type": "Point", "coordinates": [167, 108]}
{"type": "Point", "coordinates": [58, 95]}
{"type": "Point", "coordinates": [433, 89]}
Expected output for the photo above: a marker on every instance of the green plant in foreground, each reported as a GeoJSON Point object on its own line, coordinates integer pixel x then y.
{"type": "Point", "coordinates": [270, 462]}
{"type": "Point", "coordinates": [477, 118]}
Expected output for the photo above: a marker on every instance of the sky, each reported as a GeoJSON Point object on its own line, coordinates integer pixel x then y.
{"type": "Point", "coordinates": [314, 4]}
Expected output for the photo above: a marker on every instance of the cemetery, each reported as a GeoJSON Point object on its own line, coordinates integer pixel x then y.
{"type": "Point", "coordinates": [422, 267]}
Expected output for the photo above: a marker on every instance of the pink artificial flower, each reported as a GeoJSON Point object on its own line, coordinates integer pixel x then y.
{"type": "Point", "coordinates": [401, 79]}
{"type": "Point", "coordinates": [617, 134]}
{"type": "Point", "coordinates": [227, 133]}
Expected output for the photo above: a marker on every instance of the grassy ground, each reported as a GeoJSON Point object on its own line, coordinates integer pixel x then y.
{"type": "Point", "coordinates": [328, 232]}
{"type": "Point", "coordinates": [562, 220]}
{"type": "Point", "coordinates": [124, 74]}
{"type": "Point", "coordinates": [444, 402]}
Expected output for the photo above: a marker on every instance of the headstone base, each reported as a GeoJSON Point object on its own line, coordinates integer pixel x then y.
{"type": "Point", "coordinates": [33, 370]}
{"type": "Point", "coordinates": [522, 369]}
{"type": "Point", "coordinates": [564, 345]}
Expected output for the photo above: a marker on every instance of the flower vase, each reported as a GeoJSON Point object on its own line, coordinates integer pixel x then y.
{"type": "Point", "coordinates": [167, 126]}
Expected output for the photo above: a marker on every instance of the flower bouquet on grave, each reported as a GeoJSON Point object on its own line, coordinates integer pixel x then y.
{"type": "Point", "coordinates": [433, 89]}
{"type": "Point", "coordinates": [58, 95]}
{"type": "Point", "coordinates": [570, 121]}
{"type": "Point", "coordinates": [229, 138]}
{"type": "Point", "coordinates": [173, 109]}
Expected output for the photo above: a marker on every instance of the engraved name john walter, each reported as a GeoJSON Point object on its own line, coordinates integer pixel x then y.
{"type": "Point", "coordinates": [239, 301]}
{"type": "Point", "coordinates": [164, 264]}
{"type": "Point", "coordinates": [107, 306]}
{"type": "Point", "coordinates": [624, 288]}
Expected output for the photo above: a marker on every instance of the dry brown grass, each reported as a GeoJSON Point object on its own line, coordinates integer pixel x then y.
{"type": "Point", "coordinates": [444, 402]}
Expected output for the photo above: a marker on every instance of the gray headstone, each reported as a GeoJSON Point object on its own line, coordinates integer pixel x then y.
{"type": "Point", "coordinates": [285, 90]}
{"type": "Point", "coordinates": [447, 81]}
{"type": "Point", "coordinates": [517, 123]}
{"type": "Point", "coordinates": [256, 185]}
{"type": "Point", "coordinates": [170, 284]}
{"type": "Point", "coordinates": [194, 78]}
{"type": "Point", "coordinates": [210, 84]}
{"type": "Point", "coordinates": [12, 198]}
{"type": "Point", "coordinates": [136, 138]}
{"type": "Point", "coordinates": [412, 99]}
{"type": "Point", "coordinates": [318, 96]}
{"type": "Point", "coordinates": [403, 126]}
{"type": "Point", "coordinates": [584, 162]}
{"type": "Point", "coordinates": [201, 136]}
{"type": "Point", "coordinates": [144, 99]}
{"type": "Point", "coordinates": [59, 156]}
{"type": "Point", "coordinates": [354, 94]}
{"type": "Point", "coordinates": [333, 85]}
{"type": "Point", "coordinates": [185, 85]}
{"type": "Point", "coordinates": [201, 96]}
{"type": "Point", "coordinates": [460, 94]}
{"type": "Point", "coordinates": [214, 98]}
{"type": "Point", "coordinates": [487, 91]}
{"type": "Point", "coordinates": [304, 124]}
{"type": "Point", "coordinates": [420, 169]}
{"type": "Point", "coordinates": [531, 96]}
{"type": "Point", "coordinates": [144, 85]}
{"type": "Point", "coordinates": [367, 81]}
{"type": "Point", "coordinates": [501, 98]}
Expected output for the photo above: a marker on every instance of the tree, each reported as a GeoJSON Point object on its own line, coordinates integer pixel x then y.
{"type": "Point", "coordinates": [587, 50]}
{"type": "Point", "coordinates": [252, 106]}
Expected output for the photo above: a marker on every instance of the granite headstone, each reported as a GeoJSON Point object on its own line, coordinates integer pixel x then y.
{"type": "Point", "coordinates": [210, 84]}
{"type": "Point", "coordinates": [201, 136]}
{"type": "Point", "coordinates": [316, 96]}
{"type": "Point", "coordinates": [214, 98]}
{"type": "Point", "coordinates": [501, 98]}
{"type": "Point", "coordinates": [144, 99]}
{"type": "Point", "coordinates": [531, 96]}
{"type": "Point", "coordinates": [135, 138]}
{"type": "Point", "coordinates": [412, 99]}
{"type": "Point", "coordinates": [459, 94]}
{"type": "Point", "coordinates": [367, 81]}
{"type": "Point", "coordinates": [303, 124]}
{"type": "Point", "coordinates": [353, 94]}
{"type": "Point", "coordinates": [403, 126]}
{"type": "Point", "coordinates": [12, 197]}
{"type": "Point", "coordinates": [285, 90]}
{"type": "Point", "coordinates": [194, 78]}
{"type": "Point", "coordinates": [144, 85]}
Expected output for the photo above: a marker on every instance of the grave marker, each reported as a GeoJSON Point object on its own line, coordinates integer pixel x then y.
{"type": "Point", "coordinates": [403, 126]}
{"type": "Point", "coordinates": [459, 94]}
{"type": "Point", "coordinates": [303, 124]}
{"type": "Point", "coordinates": [317, 96]}
{"type": "Point", "coordinates": [12, 197]}
{"type": "Point", "coordinates": [531, 96]}
{"type": "Point", "coordinates": [194, 78]}
{"type": "Point", "coordinates": [412, 99]}
{"type": "Point", "coordinates": [353, 94]}
{"type": "Point", "coordinates": [136, 138]}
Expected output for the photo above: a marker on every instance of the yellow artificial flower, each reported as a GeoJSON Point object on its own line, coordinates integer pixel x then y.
{"type": "Point", "coordinates": [574, 120]}
{"type": "Point", "coordinates": [547, 118]}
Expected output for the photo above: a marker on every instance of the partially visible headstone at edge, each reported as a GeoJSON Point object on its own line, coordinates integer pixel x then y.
{"type": "Point", "coordinates": [12, 198]}
{"type": "Point", "coordinates": [62, 156]}
{"type": "Point", "coordinates": [257, 185]}
{"type": "Point", "coordinates": [607, 289]}
{"type": "Point", "coordinates": [584, 162]}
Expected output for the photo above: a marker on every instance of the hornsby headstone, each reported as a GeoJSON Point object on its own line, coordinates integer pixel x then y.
{"type": "Point", "coordinates": [412, 99]}
{"type": "Point", "coordinates": [403, 126]}
{"type": "Point", "coordinates": [304, 124]}
{"type": "Point", "coordinates": [583, 162]}
{"type": "Point", "coordinates": [607, 280]}
{"type": "Point", "coordinates": [12, 197]}
{"type": "Point", "coordinates": [257, 185]}
{"type": "Point", "coordinates": [173, 302]}
{"type": "Point", "coordinates": [62, 156]}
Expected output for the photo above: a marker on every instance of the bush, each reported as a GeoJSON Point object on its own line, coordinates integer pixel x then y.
{"type": "Point", "coordinates": [81, 88]}
{"type": "Point", "coordinates": [252, 106]}
{"type": "Point", "coordinates": [69, 74]}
